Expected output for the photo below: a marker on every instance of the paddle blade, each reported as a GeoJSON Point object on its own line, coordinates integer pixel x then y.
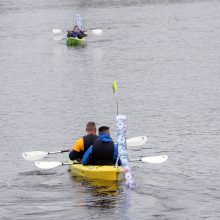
{"type": "Point", "coordinates": [136, 141]}
{"type": "Point", "coordinates": [97, 32]}
{"type": "Point", "coordinates": [47, 165]}
{"type": "Point", "coordinates": [156, 159]}
{"type": "Point", "coordinates": [58, 38]}
{"type": "Point", "coordinates": [34, 155]}
{"type": "Point", "coordinates": [56, 31]}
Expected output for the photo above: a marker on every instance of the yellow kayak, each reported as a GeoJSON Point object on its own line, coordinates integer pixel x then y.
{"type": "Point", "coordinates": [110, 173]}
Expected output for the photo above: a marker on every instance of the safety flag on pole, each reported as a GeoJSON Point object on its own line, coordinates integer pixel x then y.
{"type": "Point", "coordinates": [115, 86]}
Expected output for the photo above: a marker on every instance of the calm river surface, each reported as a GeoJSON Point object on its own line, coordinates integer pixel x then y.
{"type": "Point", "coordinates": [165, 56]}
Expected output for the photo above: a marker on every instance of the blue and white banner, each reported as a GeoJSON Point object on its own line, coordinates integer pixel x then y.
{"type": "Point", "coordinates": [79, 21]}
{"type": "Point", "coordinates": [122, 149]}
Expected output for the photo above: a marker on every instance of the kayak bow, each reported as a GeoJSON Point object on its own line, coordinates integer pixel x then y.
{"type": "Point", "coordinates": [73, 41]}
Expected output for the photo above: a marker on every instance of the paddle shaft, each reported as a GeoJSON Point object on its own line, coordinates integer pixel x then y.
{"type": "Point", "coordinates": [137, 159]}
{"type": "Point", "coordinates": [36, 155]}
{"type": "Point", "coordinates": [69, 163]}
{"type": "Point", "coordinates": [56, 152]}
{"type": "Point", "coordinates": [64, 151]}
{"type": "Point", "coordinates": [152, 159]}
{"type": "Point", "coordinates": [54, 164]}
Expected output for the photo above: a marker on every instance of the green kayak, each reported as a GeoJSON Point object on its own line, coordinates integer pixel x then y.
{"type": "Point", "coordinates": [73, 41]}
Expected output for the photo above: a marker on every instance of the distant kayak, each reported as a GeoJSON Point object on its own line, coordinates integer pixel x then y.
{"type": "Point", "coordinates": [73, 41]}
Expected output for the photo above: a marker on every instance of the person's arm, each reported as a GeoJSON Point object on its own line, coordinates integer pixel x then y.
{"type": "Point", "coordinates": [84, 34]}
{"type": "Point", "coordinates": [68, 34]}
{"type": "Point", "coordinates": [87, 156]}
{"type": "Point", "coordinates": [74, 155]}
{"type": "Point", "coordinates": [77, 148]}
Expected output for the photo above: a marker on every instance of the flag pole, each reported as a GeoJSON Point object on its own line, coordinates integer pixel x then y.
{"type": "Point", "coordinates": [115, 90]}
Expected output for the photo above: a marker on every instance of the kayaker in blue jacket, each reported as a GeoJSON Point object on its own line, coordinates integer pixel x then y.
{"type": "Point", "coordinates": [77, 33]}
{"type": "Point", "coordinates": [103, 151]}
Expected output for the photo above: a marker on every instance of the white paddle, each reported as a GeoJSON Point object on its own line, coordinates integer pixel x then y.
{"type": "Point", "coordinates": [53, 164]}
{"type": "Point", "coordinates": [56, 31]}
{"type": "Point", "coordinates": [96, 31]}
{"type": "Point", "coordinates": [49, 165]}
{"type": "Point", "coordinates": [136, 141]}
{"type": "Point", "coordinates": [36, 155]}
{"type": "Point", "coordinates": [153, 159]}
{"type": "Point", "coordinates": [92, 31]}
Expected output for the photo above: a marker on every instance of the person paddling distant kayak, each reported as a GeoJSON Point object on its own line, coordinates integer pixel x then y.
{"type": "Point", "coordinates": [83, 143]}
{"type": "Point", "coordinates": [103, 151]}
{"type": "Point", "coordinates": [77, 33]}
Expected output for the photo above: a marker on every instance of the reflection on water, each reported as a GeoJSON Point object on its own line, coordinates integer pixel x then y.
{"type": "Point", "coordinates": [36, 172]}
{"type": "Point", "coordinates": [99, 193]}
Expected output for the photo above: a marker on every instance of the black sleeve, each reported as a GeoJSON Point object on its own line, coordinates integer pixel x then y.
{"type": "Point", "coordinates": [69, 34]}
{"type": "Point", "coordinates": [74, 155]}
{"type": "Point", "coordinates": [82, 35]}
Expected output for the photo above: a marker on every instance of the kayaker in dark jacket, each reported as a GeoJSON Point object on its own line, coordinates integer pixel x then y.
{"type": "Point", "coordinates": [83, 143]}
{"type": "Point", "coordinates": [103, 151]}
{"type": "Point", "coordinates": [77, 33]}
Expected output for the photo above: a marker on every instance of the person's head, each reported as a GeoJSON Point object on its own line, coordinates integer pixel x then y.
{"type": "Point", "coordinates": [104, 130]}
{"type": "Point", "coordinates": [91, 128]}
{"type": "Point", "coordinates": [76, 28]}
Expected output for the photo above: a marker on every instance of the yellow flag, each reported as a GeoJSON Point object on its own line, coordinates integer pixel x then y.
{"type": "Point", "coordinates": [115, 86]}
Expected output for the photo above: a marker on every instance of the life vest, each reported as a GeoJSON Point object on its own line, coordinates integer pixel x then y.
{"type": "Point", "coordinates": [88, 140]}
{"type": "Point", "coordinates": [79, 35]}
{"type": "Point", "coordinates": [102, 153]}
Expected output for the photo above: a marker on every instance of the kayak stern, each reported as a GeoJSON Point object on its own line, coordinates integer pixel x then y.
{"type": "Point", "coordinates": [105, 172]}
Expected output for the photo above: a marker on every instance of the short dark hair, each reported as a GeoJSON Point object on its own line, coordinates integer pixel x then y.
{"type": "Point", "coordinates": [90, 126]}
{"type": "Point", "coordinates": [103, 129]}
